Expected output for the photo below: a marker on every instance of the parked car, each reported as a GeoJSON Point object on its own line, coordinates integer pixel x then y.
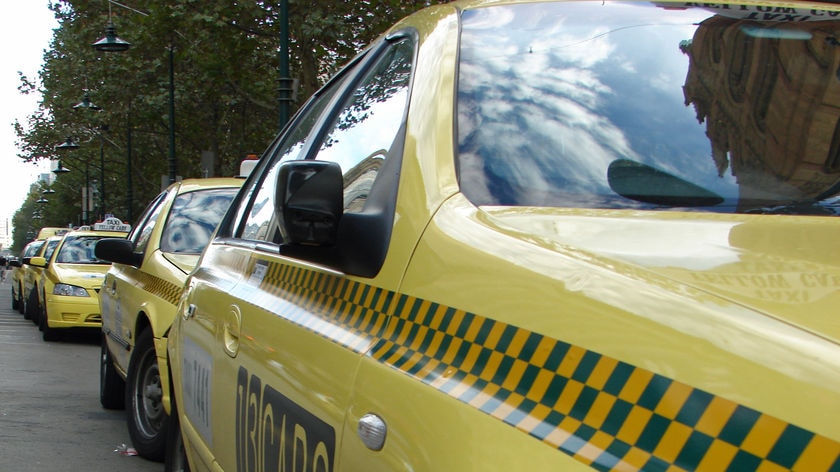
{"type": "Point", "coordinates": [66, 287]}
{"type": "Point", "coordinates": [19, 273]}
{"type": "Point", "coordinates": [139, 297]}
{"type": "Point", "coordinates": [523, 236]}
{"type": "Point", "coordinates": [32, 276]}
{"type": "Point", "coordinates": [20, 292]}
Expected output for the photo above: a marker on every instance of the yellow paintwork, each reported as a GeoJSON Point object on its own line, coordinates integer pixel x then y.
{"type": "Point", "coordinates": [71, 311]}
{"type": "Point", "coordinates": [19, 273]}
{"type": "Point", "coordinates": [135, 298]}
{"type": "Point", "coordinates": [33, 275]}
{"type": "Point", "coordinates": [739, 310]}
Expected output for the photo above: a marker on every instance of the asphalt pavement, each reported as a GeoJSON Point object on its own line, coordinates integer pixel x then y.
{"type": "Point", "coordinates": [50, 416]}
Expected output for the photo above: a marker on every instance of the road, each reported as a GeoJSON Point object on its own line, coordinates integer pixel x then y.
{"type": "Point", "coordinates": [50, 416]}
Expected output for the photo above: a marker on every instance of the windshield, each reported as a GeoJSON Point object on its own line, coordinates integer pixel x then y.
{"type": "Point", "coordinates": [652, 106]}
{"type": "Point", "coordinates": [193, 219]}
{"type": "Point", "coordinates": [79, 250]}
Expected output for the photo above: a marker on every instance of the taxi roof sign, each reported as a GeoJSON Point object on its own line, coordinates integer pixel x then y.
{"type": "Point", "coordinates": [112, 224]}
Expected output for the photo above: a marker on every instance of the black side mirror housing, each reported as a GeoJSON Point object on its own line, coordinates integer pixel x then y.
{"type": "Point", "coordinates": [309, 202]}
{"type": "Point", "coordinates": [117, 250]}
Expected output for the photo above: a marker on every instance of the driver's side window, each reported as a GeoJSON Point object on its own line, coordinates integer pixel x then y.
{"type": "Point", "coordinates": [143, 233]}
{"type": "Point", "coordinates": [360, 135]}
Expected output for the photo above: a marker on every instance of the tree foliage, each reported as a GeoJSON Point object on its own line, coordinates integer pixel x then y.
{"type": "Point", "coordinates": [225, 60]}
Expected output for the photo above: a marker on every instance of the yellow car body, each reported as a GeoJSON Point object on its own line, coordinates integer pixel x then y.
{"type": "Point", "coordinates": [32, 278]}
{"type": "Point", "coordinates": [69, 282]}
{"type": "Point", "coordinates": [22, 280]}
{"type": "Point", "coordinates": [139, 298]}
{"type": "Point", "coordinates": [426, 297]}
{"type": "Point", "coordinates": [20, 266]}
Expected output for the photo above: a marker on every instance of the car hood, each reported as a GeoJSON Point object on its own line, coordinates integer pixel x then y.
{"type": "Point", "coordinates": [786, 267]}
{"type": "Point", "coordinates": [82, 275]}
{"type": "Point", "coordinates": [184, 262]}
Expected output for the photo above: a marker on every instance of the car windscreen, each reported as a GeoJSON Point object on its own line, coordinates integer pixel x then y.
{"type": "Point", "coordinates": [650, 106]}
{"type": "Point", "coordinates": [79, 250]}
{"type": "Point", "coordinates": [193, 219]}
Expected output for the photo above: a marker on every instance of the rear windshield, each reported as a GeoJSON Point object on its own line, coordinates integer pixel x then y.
{"type": "Point", "coordinates": [652, 106]}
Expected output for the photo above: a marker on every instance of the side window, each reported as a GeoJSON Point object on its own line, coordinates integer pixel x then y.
{"type": "Point", "coordinates": [261, 215]}
{"type": "Point", "coordinates": [367, 126]}
{"type": "Point", "coordinates": [359, 137]}
{"type": "Point", "coordinates": [48, 252]}
{"type": "Point", "coordinates": [141, 234]}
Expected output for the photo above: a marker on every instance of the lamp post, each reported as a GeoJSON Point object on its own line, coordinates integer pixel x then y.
{"type": "Point", "coordinates": [285, 85]}
{"type": "Point", "coordinates": [66, 146]}
{"type": "Point", "coordinates": [87, 104]}
{"type": "Point", "coordinates": [111, 43]}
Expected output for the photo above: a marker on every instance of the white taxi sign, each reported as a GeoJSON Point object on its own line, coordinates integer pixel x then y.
{"type": "Point", "coordinates": [112, 224]}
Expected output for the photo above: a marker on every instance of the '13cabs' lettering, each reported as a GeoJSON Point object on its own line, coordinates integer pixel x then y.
{"type": "Point", "coordinates": [275, 434]}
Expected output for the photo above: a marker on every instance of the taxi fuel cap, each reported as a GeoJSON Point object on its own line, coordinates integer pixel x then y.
{"type": "Point", "coordinates": [372, 430]}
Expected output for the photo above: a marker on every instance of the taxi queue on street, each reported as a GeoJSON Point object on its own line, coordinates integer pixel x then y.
{"type": "Point", "coordinates": [508, 235]}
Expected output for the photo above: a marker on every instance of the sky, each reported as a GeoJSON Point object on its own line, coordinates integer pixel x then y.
{"type": "Point", "coordinates": [25, 33]}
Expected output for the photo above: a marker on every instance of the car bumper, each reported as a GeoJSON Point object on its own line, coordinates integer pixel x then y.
{"type": "Point", "coordinates": [73, 312]}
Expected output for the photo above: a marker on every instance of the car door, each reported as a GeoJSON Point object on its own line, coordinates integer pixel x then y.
{"type": "Point", "coordinates": [271, 335]}
{"type": "Point", "coordinates": [121, 283]}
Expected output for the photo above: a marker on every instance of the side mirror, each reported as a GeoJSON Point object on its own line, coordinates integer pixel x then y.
{"type": "Point", "coordinates": [38, 262]}
{"type": "Point", "coordinates": [309, 202]}
{"type": "Point", "coordinates": [117, 250]}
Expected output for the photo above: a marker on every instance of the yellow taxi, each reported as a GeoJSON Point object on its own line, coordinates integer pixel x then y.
{"type": "Point", "coordinates": [21, 266]}
{"type": "Point", "coordinates": [67, 288]}
{"type": "Point", "coordinates": [535, 235]}
{"type": "Point", "coordinates": [32, 275]}
{"type": "Point", "coordinates": [18, 273]}
{"type": "Point", "coordinates": [139, 297]}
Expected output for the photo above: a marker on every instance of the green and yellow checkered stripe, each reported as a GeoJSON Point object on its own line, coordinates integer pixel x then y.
{"type": "Point", "coordinates": [604, 412]}
{"type": "Point", "coordinates": [158, 287]}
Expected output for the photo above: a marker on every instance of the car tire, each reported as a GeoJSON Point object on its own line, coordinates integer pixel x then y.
{"type": "Point", "coordinates": [29, 305]}
{"type": "Point", "coordinates": [41, 318]}
{"type": "Point", "coordinates": [176, 456]}
{"type": "Point", "coordinates": [147, 419]}
{"type": "Point", "coordinates": [15, 301]}
{"type": "Point", "coordinates": [48, 334]}
{"type": "Point", "coordinates": [111, 385]}
{"type": "Point", "coordinates": [21, 306]}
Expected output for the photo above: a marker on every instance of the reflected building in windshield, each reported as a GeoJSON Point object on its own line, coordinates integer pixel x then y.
{"type": "Point", "coordinates": [769, 95]}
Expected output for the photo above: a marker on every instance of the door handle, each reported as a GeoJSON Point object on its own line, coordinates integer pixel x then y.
{"type": "Point", "coordinates": [189, 312]}
{"type": "Point", "coordinates": [231, 330]}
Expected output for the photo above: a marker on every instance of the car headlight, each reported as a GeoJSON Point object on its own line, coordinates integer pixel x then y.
{"type": "Point", "coordinates": [70, 290]}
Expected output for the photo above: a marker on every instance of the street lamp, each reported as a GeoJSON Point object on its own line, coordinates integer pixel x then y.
{"type": "Point", "coordinates": [60, 169]}
{"type": "Point", "coordinates": [107, 44]}
{"type": "Point", "coordinates": [87, 104]}
{"type": "Point", "coordinates": [111, 42]}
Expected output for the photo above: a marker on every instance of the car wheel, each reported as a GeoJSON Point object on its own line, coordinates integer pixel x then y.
{"type": "Point", "coordinates": [15, 301]}
{"type": "Point", "coordinates": [111, 385]}
{"type": "Point", "coordinates": [147, 419]}
{"type": "Point", "coordinates": [21, 306]}
{"type": "Point", "coordinates": [48, 334]}
{"type": "Point", "coordinates": [41, 318]}
{"type": "Point", "coordinates": [176, 456]}
{"type": "Point", "coordinates": [29, 305]}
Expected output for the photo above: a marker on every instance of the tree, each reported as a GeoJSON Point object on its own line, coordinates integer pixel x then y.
{"type": "Point", "coordinates": [225, 58]}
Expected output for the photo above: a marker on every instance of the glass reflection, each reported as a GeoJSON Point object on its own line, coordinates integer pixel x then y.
{"type": "Point", "coordinates": [193, 218]}
{"type": "Point", "coordinates": [554, 101]}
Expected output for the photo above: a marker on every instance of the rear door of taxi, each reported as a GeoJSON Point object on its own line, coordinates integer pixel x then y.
{"type": "Point", "coordinates": [270, 339]}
